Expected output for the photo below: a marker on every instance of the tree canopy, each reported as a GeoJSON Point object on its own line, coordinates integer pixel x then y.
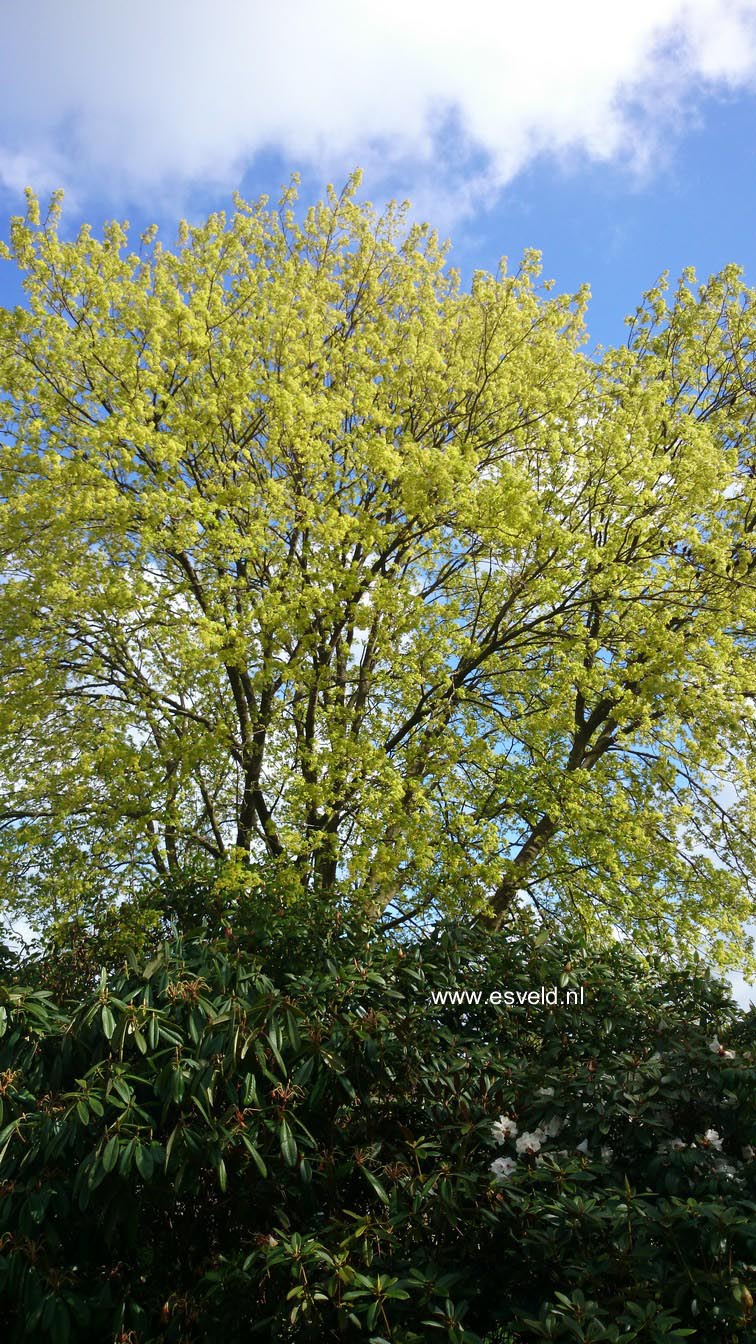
{"type": "Point", "coordinates": [312, 555]}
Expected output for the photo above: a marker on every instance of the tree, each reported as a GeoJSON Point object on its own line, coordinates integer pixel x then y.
{"type": "Point", "coordinates": [313, 556]}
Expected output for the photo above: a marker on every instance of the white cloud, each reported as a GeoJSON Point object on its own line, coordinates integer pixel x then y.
{"type": "Point", "coordinates": [449, 100]}
{"type": "Point", "coordinates": [19, 170]}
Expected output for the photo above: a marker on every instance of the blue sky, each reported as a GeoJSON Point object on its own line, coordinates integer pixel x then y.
{"type": "Point", "coordinates": [595, 224]}
{"type": "Point", "coordinates": [619, 139]}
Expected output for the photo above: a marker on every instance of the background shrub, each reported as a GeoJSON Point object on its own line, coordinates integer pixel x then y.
{"type": "Point", "coordinates": [277, 1134]}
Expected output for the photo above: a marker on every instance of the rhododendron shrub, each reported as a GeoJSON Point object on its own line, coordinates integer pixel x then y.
{"type": "Point", "coordinates": [279, 1135]}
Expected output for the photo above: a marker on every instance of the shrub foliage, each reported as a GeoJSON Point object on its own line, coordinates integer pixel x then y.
{"type": "Point", "coordinates": [278, 1134]}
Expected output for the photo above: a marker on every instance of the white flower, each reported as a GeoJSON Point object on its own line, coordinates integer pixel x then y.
{"type": "Point", "coordinates": [551, 1127]}
{"type": "Point", "coordinates": [583, 1147]}
{"type": "Point", "coordinates": [607, 1153]}
{"type": "Point", "coordinates": [719, 1049]}
{"type": "Point", "coordinates": [530, 1143]}
{"type": "Point", "coordinates": [715, 1046]}
{"type": "Point", "coordinates": [748, 1153]}
{"type": "Point", "coordinates": [503, 1167]}
{"type": "Point", "coordinates": [504, 1128]}
{"type": "Point", "coordinates": [545, 1092]}
{"type": "Point", "coordinates": [712, 1139]}
{"type": "Point", "coordinates": [724, 1168]}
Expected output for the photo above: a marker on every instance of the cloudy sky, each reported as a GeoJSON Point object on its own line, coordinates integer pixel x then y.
{"type": "Point", "coordinates": [619, 138]}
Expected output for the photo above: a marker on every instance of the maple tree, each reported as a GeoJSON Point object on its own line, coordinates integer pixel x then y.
{"type": "Point", "coordinates": [312, 556]}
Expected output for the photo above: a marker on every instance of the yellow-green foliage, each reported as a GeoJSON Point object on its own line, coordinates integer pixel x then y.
{"type": "Point", "coordinates": [308, 551]}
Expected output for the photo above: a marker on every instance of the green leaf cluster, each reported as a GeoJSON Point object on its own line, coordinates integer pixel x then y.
{"type": "Point", "coordinates": [258, 1138]}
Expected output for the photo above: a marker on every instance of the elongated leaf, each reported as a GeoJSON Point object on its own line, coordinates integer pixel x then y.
{"type": "Point", "coordinates": [256, 1156]}
{"type": "Point", "coordinates": [144, 1161]}
{"type": "Point", "coordinates": [375, 1184]}
{"type": "Point", "coordinates": [110, 1153]}
{"type": "Point", "coordinates": [288, 1145]}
